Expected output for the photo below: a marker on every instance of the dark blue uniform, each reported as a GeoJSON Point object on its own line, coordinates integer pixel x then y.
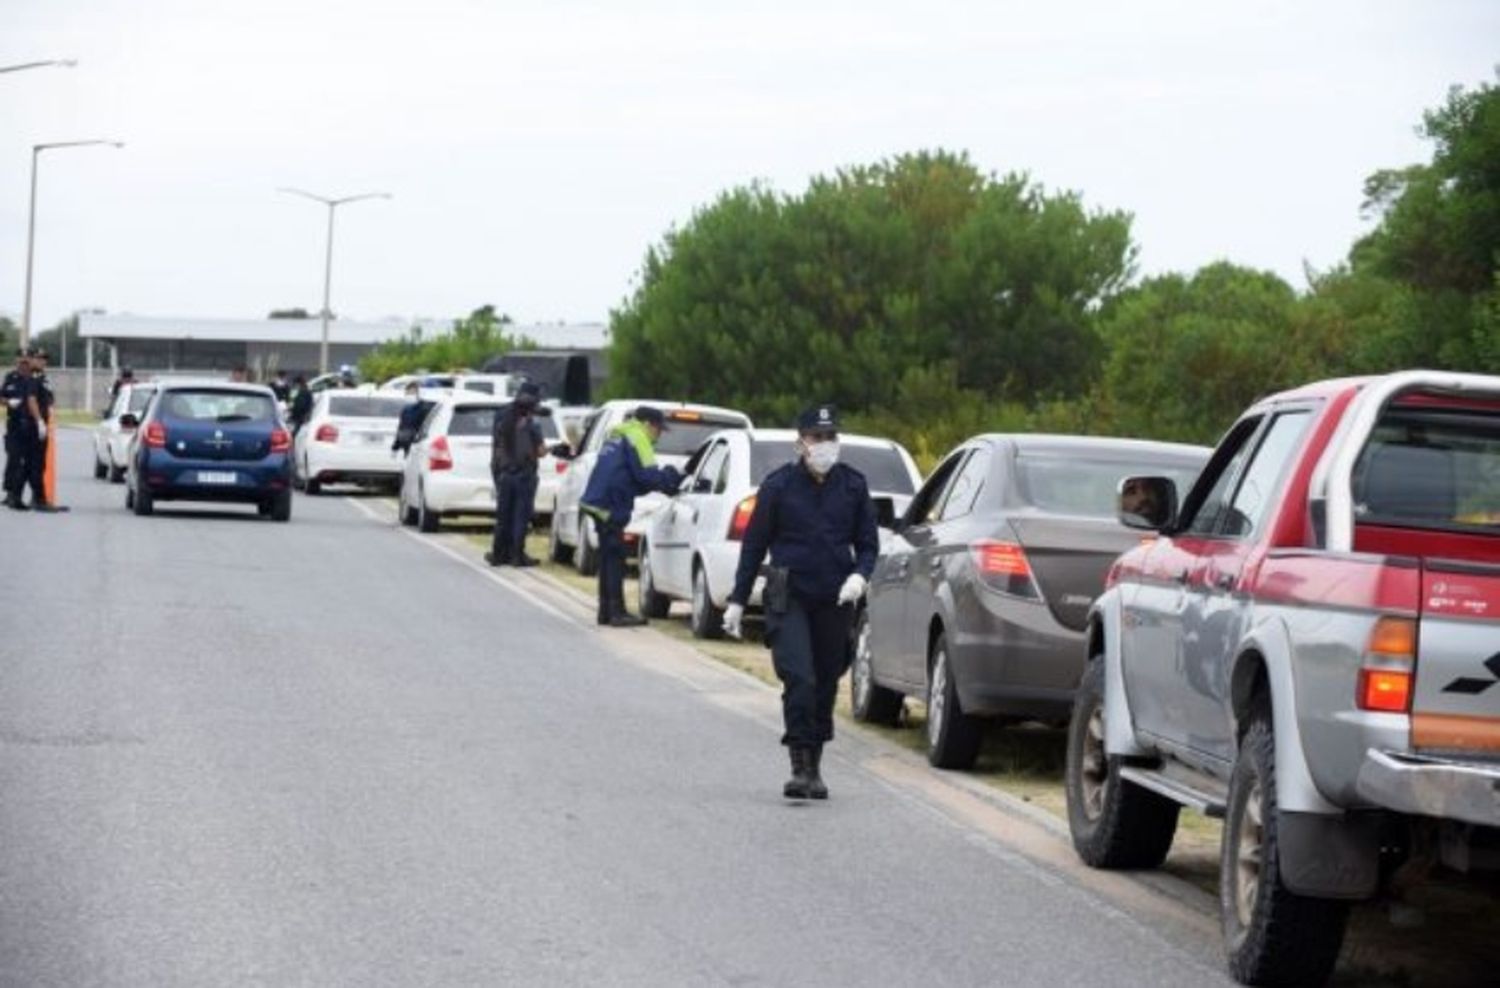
{"type": "Point", "coordinates": [20, 431]}
{"type": "Point", "coordinates": [821, 532]}
{"type": "Point", "coordinates": [516, 442]}
{"type": "Point", "coordinates": [36, 452]}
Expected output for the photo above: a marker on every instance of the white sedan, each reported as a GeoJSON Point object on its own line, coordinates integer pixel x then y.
{"type": "Point", "coordinates": [691, 549]}
{"type": "Point", "coordinates": [113, 433]}
{"type": "Point", "coordinates": [347, 440]}
{"type": "Point", "coordinates": [448, 470]}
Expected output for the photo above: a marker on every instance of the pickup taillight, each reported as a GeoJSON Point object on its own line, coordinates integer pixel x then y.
{"type": "Point", "coordinates": [1389, 668]}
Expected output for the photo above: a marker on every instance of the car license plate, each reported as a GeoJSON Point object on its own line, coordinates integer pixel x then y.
{"type": "Point", "coordinates": [217, 476]}
{"type": "Point", "coordinates": [375, 438]}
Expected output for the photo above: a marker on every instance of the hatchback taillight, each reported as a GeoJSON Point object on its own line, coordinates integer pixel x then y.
{"type": "Point", "coordinates": [281, 441]}
{"type": "Point", "coordinates": [740, 522]}
{"type": "Point", "coordinates": [155, 435]}
{"type": "Point", "coordinates": [327, 433]}
{"type": "Point", "coordinates": [1003, 566]}
{"type": "Point", "coordinates": [562, 466]}
{"type": "Point", "coordinates": [439, 456]}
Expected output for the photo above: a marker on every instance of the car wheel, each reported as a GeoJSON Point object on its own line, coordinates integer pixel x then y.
{"type": "Point", "coordinates": [141, 503]}
{"type": "Point", "coordinates": [130, 498]}
{"type": "Point", "coordinates": [1114, 822]}
{"type": "Point", "coordinates": [281, 506]}
{"type": "Point", "coordinates": [428, 520]}
{"type": "Point", "coordinates": [116, 475]}
{"type": "Point", "coordinates": [312, 486]}
{"type": "Point", "coordinates": [652, 604]}
{"type": "Point", "coordinates": [953, 737]}
{"type": "Point", "coordinates": [556, 550]}
{"type": "Point", "coordinates": [708, 620]}
{"type": "Point", "coordinates": [1273, 935]}
{"type": "Point", "coordinates": [868, 700]}
{"type": "Point", "coordinates": [405, 512]}
{"type": "Point", "coordinates": [100, 470]}
{"type": "Point", "coordinates": [585, 556]}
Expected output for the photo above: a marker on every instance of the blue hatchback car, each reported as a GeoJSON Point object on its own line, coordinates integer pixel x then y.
{"type": "Point", "coordinates": [212, 442]}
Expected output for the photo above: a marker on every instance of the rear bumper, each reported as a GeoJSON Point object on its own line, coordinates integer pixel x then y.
{"type": "Point", "coordinates": [328, 463]}
{"type": "Point", "coordinates": [170, 479]}
{"type": "Point", "coordinates": [1011, 657]}
{"type": "Point", "coordinates": [449, 494]}
{"type": "Point", "coordinates": [1435, 787]}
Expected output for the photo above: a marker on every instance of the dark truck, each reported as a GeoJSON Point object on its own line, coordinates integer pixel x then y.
{"type": "Point", "coordinates": [1309, 647]}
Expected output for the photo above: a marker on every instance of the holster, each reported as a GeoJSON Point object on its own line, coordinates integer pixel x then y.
{"type": "Point", "coordinates": [777, 596]}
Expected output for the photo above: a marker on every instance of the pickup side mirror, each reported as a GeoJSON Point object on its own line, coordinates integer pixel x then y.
{"type": "Point", "coordinates": [885, 512]}
{"type": "Point", "coordinates": [129, 421]}
{"type": "Point", "coordinates": [1148, 504]}
{"type": "Point", "coordinates": [703, 485]}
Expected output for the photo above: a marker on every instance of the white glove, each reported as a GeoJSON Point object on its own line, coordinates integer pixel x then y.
{"type": "Point", "coordinates": [41, 432]}
{"type": "Point", "coordinates": [852, 590]}
{"type": "Point", "coordinates": [734, 620]}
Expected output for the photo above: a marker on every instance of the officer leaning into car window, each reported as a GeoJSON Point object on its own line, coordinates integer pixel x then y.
{"type": "Point", "coordinates": [816, 519]}
{"type": "Point", "coordinates": [15, 391]}
{"type": "Point", "coordinates": [517, 445]}
{"type": "Point", "coordinates": [625, 469]}
{"type": "Point", "coordinates": [40, 403]}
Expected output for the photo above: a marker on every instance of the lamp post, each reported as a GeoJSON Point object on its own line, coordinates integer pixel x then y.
{"type": "Point", "coordinates": [62, 63]}
{"type": "Point", "coordinates": [332, 204]}
{"type": "Point", "coordinates": [36, 151]}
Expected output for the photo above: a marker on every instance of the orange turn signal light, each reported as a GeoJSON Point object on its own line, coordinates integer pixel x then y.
{"type": "Point", "coordinates": [1394, 636]}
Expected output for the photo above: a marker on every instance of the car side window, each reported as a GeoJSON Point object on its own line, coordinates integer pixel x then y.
{"type": "Point", "coordinates": [708, 470]}
{"type": "Point", "coordinates": [1208, 502]}
{"type": "Point", "coordinates": [596, 431]}
{"type": "Point", "coordinates": [966, 486]}
{"type": "Point", "coordinates": [1275, 450]}
{"type": "Point", "coordinates": [924, 507]}
{"type": "Point", "coordinates": [721, 482]}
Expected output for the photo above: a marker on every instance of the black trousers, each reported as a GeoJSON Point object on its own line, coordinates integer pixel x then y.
{"type": "Point", "coordinates": [810, 651]}
{"type": "Point", "coordinates": [611, 569]}
{"type": "Point", "coordinates": [15, 462]}
{"type": "Point", "coordinates": [36, 465]}
{"type": "Point", "coordinates": [515, 500]}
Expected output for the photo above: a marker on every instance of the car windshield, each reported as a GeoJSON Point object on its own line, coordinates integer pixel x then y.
{"type": "Point", "coordinates": [1073, 486]}
{"type": "Point", "coordinates": [883, 466]}
{"type": "Point", "coordinates": [139, 399]}
{"type": "Point", "coordinates": [1431, 468]}
{"type": "Point", "coordinates": [365, 407]}
{"type": "Point", "coordinates": [219, 406]}
{"type": "Point", "coordinates": [472, 420]}
{"type": "Point", "coordinates": [684, 436]}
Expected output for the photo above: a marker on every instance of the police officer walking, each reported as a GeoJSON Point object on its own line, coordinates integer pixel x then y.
{"type": "Point", "coordinates": [516, 446]}
{"type": "Point", "coordinates": [15, 391]}
{"type": "Point", "coordinates": [41, 402]}
{"type": "Point", "coordinates": [626, 469]}
{"type": "Point", "coordinates": [816, 520]}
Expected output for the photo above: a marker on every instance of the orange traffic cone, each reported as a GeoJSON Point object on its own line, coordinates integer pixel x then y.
{"type": "Point", "coordinates": [49, 462]}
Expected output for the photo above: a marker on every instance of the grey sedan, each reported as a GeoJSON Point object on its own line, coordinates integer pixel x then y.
{"type": "Point", "coordinates": [978, 603]}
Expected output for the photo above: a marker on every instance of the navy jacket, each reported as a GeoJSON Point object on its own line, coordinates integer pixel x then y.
{"type": "Point", "coordinates": [822, 532]}
{"type": "Point", "coordinates": [620, 475]}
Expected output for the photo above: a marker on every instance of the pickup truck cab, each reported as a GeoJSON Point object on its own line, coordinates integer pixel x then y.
{"type": "Point", "coordinates": [1308, 647]}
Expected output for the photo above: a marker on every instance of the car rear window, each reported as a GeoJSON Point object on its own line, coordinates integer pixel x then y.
{"type": "Point", "coordinates": [218, 406]}
{"type": "Point", "coordinates": [686, 431]}
{"type": "Point", "coordinates": [1072, 486]}
{"type": "Point", "coordinates": [472, 420]}
{"type": "Point", "coordinates": [1431, 468]}
{"type": "Point", "coordinates": [365, 407]}
{"type": "Point", "coordinates": [883, 466]}
{"type": "Point", "coordinates": [139, 399]}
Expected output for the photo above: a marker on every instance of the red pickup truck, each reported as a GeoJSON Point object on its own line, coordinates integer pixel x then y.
{"type": "Point", "coordinates": [1307, 645]}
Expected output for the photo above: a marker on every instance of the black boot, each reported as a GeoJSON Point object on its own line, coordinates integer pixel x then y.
{"type": "Point", "coordinates": [799, 786]}
{"type": "Point", "coordinates": [815, 787]}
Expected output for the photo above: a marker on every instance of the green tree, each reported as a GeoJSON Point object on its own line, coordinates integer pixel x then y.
{"type": "Point", "coordinates": [10, 339]}
{"type": "Point", "coordinates": [473, 340]}
{"type": "Point", "coordinates": [767, 301]}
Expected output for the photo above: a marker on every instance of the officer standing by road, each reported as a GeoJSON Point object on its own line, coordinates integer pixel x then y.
{"type": "Point", "coordinates": [302, 403]}
{"type": "Point", "coordinates": [516, 446]}
{"type": "Point", "coordinates": [816, 519]}
{"type": "Point", "coordinates": [626, 469]}
{"type": "Point", "coordinates": [42, 400]}
{"type": "Point", "coordinates": [410, 422]}
{"type": "Point", "coordinates": [15, 391]}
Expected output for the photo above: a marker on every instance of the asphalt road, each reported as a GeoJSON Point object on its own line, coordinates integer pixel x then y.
{"type": "Point", "coordinates": [330, 752]}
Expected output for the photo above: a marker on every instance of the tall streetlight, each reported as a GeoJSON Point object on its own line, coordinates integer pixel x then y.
{"type": "Point", "coordinates": [62, 63]}
{"type": "Point", "coordinates": [36, 151]}
{"type": "Point", "coordinates": [332, 204]}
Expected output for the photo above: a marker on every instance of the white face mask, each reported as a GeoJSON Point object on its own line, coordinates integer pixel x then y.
{"type": "Point", "coordinates": [822, 456]}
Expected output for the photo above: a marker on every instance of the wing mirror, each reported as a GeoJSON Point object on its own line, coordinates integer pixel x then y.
{"type": "Point", "coordinates": [1148, 504]}
{"type": "Point", "coordinates": [703, 485]}
{"type": "Point", "coordinates": [885, 513]}
{"type": "Point", "coordinates": [129, 421]}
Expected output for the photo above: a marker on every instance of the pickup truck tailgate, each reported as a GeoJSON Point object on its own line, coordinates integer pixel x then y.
{"type": "Point", "coordinates": [1456, 707]}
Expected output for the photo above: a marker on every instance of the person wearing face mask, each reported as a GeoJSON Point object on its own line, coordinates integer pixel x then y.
{"type": "Point", "coordinates": [410, 421]}
{"type": "Point", "coordinates": [816, 520]}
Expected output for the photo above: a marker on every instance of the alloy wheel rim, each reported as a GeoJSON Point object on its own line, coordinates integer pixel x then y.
{"type": "Point", "coordinates": [1248, 856]}
{"type": "Point", "coordinates": [700, 596]}
{"type": "Point", "coordinates": [937, 697]}
{"type": "Point", "coordinates": [862, 674]}
{"type": "Point", "coordinates": [1094, 772]}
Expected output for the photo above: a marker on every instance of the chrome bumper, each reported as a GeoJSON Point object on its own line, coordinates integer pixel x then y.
{"type": "Point", "coordinates": [1435, 787]}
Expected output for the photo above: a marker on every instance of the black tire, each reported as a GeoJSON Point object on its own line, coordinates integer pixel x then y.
{"type": "Point", "coordinates": [585, 556]}
{"type": "Point", "coordinates": [312, 487]}
{"type": "Point", "coordinates": [281, 507]}
{"type": "Point", "coordinates": [100, 470]}
{"type": "Point", "coordinates": [116, 475]}
{"type": "Point", "coordinates": [427, 521]}
{"type": "Point", "coordinates": [130, 498]}
{"type": "Point", "coordinates": [1273, 936]}
{"type": "Point", "coordinates": [557, 550]}
{"type": "Point", "coordinates": [405, 513]}
{"type": "Point", "coordinates": [652, 604]}
{"type": "Point", "coordinates": [141, 503]}
{"type": "Point", "coordinates": [868, 700]}
{"type": "Point", "coordinates": [1115, 823]}
{"type": "Point", "coordinates": [953, 737]}
{"type": "Point", "coordinates": [708, 620]}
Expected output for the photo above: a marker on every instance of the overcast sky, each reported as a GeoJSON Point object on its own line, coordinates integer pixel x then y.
{"type": "Point", "coordinates": [535, 149]}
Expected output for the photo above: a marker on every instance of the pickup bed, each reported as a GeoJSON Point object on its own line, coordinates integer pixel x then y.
{"type": "Point", "coordinates": [1308, 647]}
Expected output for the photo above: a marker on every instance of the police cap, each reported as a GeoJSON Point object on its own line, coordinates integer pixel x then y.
{"type": "Point", "coordinates": [651, 416]}
{"type": "Point", "coordinates": [819, 418]}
